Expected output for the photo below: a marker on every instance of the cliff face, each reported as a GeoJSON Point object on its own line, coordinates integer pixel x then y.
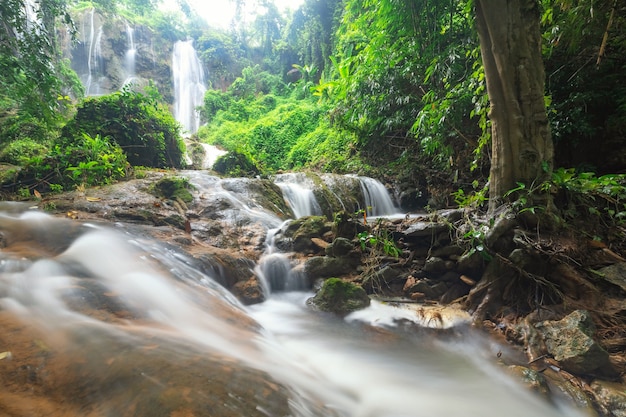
{"type": "Point", "coordinates": [110, 52]}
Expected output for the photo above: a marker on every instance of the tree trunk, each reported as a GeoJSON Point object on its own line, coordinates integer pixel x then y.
{"type": "Point", "coordinates": [510, 43]}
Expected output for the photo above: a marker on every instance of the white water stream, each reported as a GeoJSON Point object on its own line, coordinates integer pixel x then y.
{"type": "Point", "coordinates": [331, 366]}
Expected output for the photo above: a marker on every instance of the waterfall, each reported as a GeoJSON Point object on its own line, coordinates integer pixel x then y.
{"type": "Point", "coordinates": [298, 192]}
{"type": "Point", "coordinates": [130, 55]}
{"type": "Point", "coordinates": [91, 80]}
{"type": "Point", "coordinates": [189, 86]}
{"type": "Point", "coordinates": [377, 199]}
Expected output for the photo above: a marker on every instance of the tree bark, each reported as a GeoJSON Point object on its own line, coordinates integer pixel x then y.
{"type": "Point", "coordinates": [510, 43]}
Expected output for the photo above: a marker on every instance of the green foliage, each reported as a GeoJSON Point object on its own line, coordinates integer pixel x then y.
{"type": "Point", "coordinates": [86, 161]}
{"type": "Point", "coordinates": [235, 164]}
{"type": "Point", "coordinates": [28, 57]}
{"type": "Point", "coordinates": [583, 46]}
{"type": "Point", "coordinates": [474, 200]}
{"type": "Point", "coordinates": [138, 123]}
{"type": "Point", "coordinates": [224, 57]}
{"type": "Point", "coordinates": [92, 161]}
{"type": "Point", "coordinates": [603, 196]}
{"type": "Point", "coordinates": [20, 151]}
{"type": "Point", "coordinates": [258, 117]}
{"type": "Point", "coordinates": [378, 241]}
{"type": "Point", "coordinates": [22, 137]}
{"type": "Point", "coordinates": [174, 188]}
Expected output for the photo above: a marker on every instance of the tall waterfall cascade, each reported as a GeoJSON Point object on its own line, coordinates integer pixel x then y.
{"type": "Point", "coordinates": [189, 85]}
{"type": "Point", "coordinates": [92, 38]}
{"type": "Point", "coordinates": [130, 57]}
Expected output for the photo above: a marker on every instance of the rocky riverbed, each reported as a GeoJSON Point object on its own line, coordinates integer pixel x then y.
{"type": "Point", "coordinates": [557, 298]}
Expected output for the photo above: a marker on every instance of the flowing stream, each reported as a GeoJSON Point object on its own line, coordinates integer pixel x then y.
{"type": "Point", "coordinates": [128, 326]}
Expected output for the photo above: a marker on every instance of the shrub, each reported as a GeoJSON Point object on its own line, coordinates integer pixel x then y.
{"type": "Point", "coordinates": [143, 128]}
{"type": "Point", "coordinates": [235, 164]}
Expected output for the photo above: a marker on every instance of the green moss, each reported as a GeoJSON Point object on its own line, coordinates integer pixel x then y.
{"type": "Point", "coordinates": [174, 187]}
{"type": "Point", "coordinates": [340, 297]}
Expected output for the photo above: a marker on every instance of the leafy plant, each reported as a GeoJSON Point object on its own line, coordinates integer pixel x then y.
{"type": "Point", "coordinates": [142, 126]}
{"type": "Point", "coordinates": [379, 241]}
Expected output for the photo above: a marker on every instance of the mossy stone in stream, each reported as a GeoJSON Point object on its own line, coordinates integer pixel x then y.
{"type": "Point", "coordinates": [174, 187]}
{"type": "Point", "coordinates": [339, 297]}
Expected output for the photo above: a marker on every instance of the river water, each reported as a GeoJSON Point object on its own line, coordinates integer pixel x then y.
{"type": "Point", "coordinates": [103, 295]}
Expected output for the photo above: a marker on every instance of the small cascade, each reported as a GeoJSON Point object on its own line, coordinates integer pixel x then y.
{"type": "Point", "coordinates": [276, 271]}
{"type": "Point", "coordinates": [211, 153]}
{"type": "Point", "coordinates": [298, 192]}
{"type": "Point", "coordinates": [91, 80]}
{"type": "Point", "coordinates": [130, 56]}
{"type": "Point", "coordinates": [377, 199]}
{"type": "Point", "coordinates": [189, 85]}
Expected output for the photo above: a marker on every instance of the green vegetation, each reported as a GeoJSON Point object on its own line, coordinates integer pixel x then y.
{"type": "Point", "coordinates": [390, 88]}
{"type": "Point", "coordinates": [272, 126]}
{"type": "Point", "coordinates": [139, 123]}
{"type": "Point", "coordinates": [340, 297]}
{"type": "Point", "coordinates": [174, 188]}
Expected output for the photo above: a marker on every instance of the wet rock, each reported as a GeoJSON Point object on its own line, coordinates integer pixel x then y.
{"type": "Point", "coordinates": [326, 266]}
{"type": "Point", "coordinates": [225, 268]}
{"type": "Point", "coordinates": [447, 251]}
{"type": "Point", "coordinates": [344, 225]}
{"type": "Point", "coordinates": [570, 341]}
{"type": "Point", "coordinates": [531, 378]}
{"type": "Point", "coordinates": [471, 263]}
{"type": "Point", "coordinates": [297, 235]}
{"type": "Point", "coordinates": [339, 297]}
{"type": "Point", "coordinates": [249, 292]}
{"type": "Point", "coordinates": [611, 397]}
{"type": "Point", "coordinates": [454, 292]}
{"type": "Point", "coordinates": [340, 247]}
{"type": "Point", "coordinates": [424, 229]}
{"type": "Point", "coordinates": [431, 289]}
{"type": "Point", "coordinates": [380, 278]}
{"type": "Point", "coordinates": [571, 390]}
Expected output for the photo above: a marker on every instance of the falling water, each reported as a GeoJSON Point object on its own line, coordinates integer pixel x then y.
{"type": "Point", "coordinates": [211, 153]}
{"type": "Point", "coordinates": [377, 199]}
{"type": "Point", "coordinates": [298, 192]}
{"type": "Point", "coordinates": [91, 80]}
{"type": "Point", "coordinates": [189, 85]}
{"type": "Point", "coordinates": [130, 56]}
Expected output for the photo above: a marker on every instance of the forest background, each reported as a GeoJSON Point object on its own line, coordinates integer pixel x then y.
{"type": "Point", "coordinates": [393, 89]}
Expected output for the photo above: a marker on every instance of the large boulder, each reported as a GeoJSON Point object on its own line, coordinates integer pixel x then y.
{"type": "Point", "coordinates": [570, 341]}
{"type": "Point", "coordinates": [339, 297]}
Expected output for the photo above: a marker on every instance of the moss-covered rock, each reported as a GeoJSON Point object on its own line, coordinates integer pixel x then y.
{"type": "Point", "coordinates": [297, 235]}
{"type": "Point", "coordinates": [339, 297]}
{"type": "Point", "coordinates": [173, 188]}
